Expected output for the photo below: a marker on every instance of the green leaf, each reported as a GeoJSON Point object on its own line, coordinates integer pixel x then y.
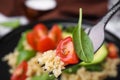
{"type": "Point", "coordinates": [82, 43]}
{"type": "Point", "coordinates": [11, 24]}
{"type": "Point", "coordinates": [25, 55]}
{"type": "Point", "coordinates": [20, 43]}
{"type": "Point", "coordinates": [95, 67]}
{"type": "Point", "coordinates": [21, 40]}
{"type": "Point", "coordinates": [72, 69]}
{"type": "Point", "coordinates": [44, 76]}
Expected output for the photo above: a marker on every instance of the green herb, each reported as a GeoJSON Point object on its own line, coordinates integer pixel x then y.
{"type": "Point", "coordinates": [11, 24]}
{"type": "Point", "coordinates": [44, 76]}
{"type": "Point", "coordinates": [22, 39]}
{"type": "Point", "coordinates": [82, 43]}
{"type": "Point", "coordinates": [25, 55]}
{"type": "Point", "coordinates": [72, 69]}
{"type": "Point", "coordinates": [95, 67]}
{"type": "Point", "coordinates": [20, 43]}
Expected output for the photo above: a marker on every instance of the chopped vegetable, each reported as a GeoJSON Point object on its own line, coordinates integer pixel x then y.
{"type": "Point", "coordinates": [20, 72]}
{"type": "Point", "coordinates": [30, 39]}
{"type": "Point", "coordinates": [41, 40]}
{"type": "Point", "coordinates": [20, 43]}
{"type": "Point", "coordinates": [72, 69]}
{"type": "Point", "coordinates": [113, 51]}
{"type": "Point", "coordinates": [25, 55]}
{"type": "Point", "coordinates": [40, 30]}
{"type": "Point", "coordinates": [65, 50]}
{"type": "Point", "coordinates": [55, 34]}
{"type": "Point", "coordinates": [95, 67]}
{"type": "Point", "coordinates": [45, 44]}
{"type": "Point", "coordinates": [44, 76]}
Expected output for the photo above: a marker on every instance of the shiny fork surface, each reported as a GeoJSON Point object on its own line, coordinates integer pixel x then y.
{"type": "Point", "coordinates": [96, 33]}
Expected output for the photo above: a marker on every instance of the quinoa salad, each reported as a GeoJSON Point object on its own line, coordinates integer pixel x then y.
{"type": "Point", "coordinates": [43, 54]}
{"type": "Point", "coordinates": [47, 64]}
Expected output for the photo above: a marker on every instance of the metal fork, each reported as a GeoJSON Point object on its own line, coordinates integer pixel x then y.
{"type": "Point", "coordinates": [97, 32]}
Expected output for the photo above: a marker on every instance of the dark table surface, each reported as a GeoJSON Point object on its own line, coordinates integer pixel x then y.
{"type": "Point", "coordinates": [92, 9]}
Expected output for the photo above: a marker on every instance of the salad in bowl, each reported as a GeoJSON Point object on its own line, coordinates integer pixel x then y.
{"type": "Point", "coordinates": [43, 54]}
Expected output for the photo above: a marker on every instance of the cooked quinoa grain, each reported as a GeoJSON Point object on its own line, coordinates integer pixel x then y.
{"type": "Point", "coordinates": [34, 67]}
{"type": "Point", "coordinates": [48, 61]}
{"type": "Point", "coordinates": [11, 58]}
{"type": "Point", "coordinates": [51, 63]}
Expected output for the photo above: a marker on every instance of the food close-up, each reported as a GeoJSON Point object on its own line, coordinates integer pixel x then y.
{"type": "Point", "coordinates": [29, 61]}
{"type": "Point", "coordinates": [60, 49]}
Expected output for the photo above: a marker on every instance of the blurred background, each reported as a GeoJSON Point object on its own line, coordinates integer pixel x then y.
{"type": "Point", "coordinates": [14, 13]}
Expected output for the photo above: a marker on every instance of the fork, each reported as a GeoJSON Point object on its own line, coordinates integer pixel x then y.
{"type": "Point", "coordinates": [97, 32]}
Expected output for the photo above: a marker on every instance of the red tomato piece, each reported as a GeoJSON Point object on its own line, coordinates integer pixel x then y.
{"type": "Point", "coordinates": [40, 30]}
{"type": "Point", "coordinates": [30, 39]}
{"type": "Point", "coordinates": [55, 34]}
{"type": "Point", "coordinates": [45, 44]}
{"type": "Point", "coordinates": [65, 50]}
{"type": "Point", "coordinates": [41, 41]}
{"type": "Point", "coordinates": [20, 72]}
{"type": "Point", "coordinates": [113, 51]}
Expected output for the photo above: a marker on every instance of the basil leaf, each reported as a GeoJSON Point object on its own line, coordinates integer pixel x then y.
{"type": "Point", "coordinates": [82, 43]}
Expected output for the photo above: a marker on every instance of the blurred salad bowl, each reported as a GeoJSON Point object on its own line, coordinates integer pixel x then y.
{"type": "Point", "coordinates": [23, 63]}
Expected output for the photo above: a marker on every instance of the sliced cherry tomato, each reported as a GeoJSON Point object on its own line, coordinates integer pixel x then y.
{"type": "Point", "coordinates": [20, 72]}
{"type": "Point", "coordinates": [41, 41]}
{"type": "Point", "coordinates": [45, 44]}
{"type": "Point", "coordinates": [55, 34]}
{"type": "Point", "coordinates": [40, 30]}
{"type": "Point", "coordinates": [65, 50]}
{"type": "Point", "coordinates": [113, 51]}
{"type": "Point", "coordinates": [30, 39]}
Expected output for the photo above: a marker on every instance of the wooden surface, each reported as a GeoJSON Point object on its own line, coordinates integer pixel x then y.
{"type": "Point", "coordinates": [92, 9]}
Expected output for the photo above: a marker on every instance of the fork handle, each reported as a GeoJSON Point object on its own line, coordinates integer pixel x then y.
{"type": "Point", "coordinates": [110, 14]}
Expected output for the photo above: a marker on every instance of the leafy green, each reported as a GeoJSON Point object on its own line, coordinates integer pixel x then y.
{"type": "Point", "coordinates": [44, 76]}
{"type": "Point", "coordinates": [82, 43]}
{"type": "Point", "coordinates": [95, 67]}
{"type": "Point", "coordinates": [22, 39]}
{"type": "Point", "coordinates": [11, 24]}
{"type": "Point", "coordinates": [20, 43]}
{"type": "Point", "coordinates": [25, 55]}
{"type": "Point", "coordinates": [72, 69]}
